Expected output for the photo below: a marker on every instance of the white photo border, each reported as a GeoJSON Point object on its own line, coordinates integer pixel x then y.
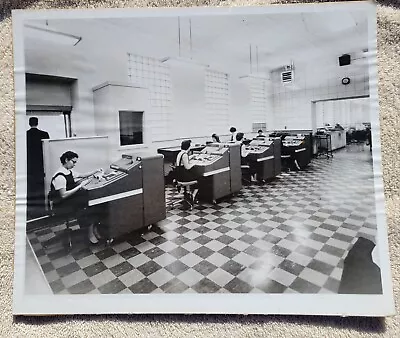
{"type": "Point", "coordinates": [289, 304]}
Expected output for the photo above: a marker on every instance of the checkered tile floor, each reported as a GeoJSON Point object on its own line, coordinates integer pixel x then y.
{"type": "Point", "coordinates": [288, 236]}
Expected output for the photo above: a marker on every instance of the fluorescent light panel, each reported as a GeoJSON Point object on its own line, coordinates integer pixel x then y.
{"type": "Point", "coordinates": [254, 76]}
{"type": "Point", "coordinates": [185, 60]}
{"type": "Point", "coordinates": [43, 33]}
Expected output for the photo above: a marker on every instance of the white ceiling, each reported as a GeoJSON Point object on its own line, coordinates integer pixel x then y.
{"type": "Point", "coordinates": [224, 41]}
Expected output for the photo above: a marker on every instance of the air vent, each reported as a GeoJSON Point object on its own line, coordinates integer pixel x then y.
{"type": "Point", "coordinates": [287, 77]}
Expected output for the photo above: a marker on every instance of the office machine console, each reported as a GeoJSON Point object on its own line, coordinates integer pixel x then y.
{"type": "Point", "coordinates": [292, 143]}
{"type": "Point", "coordinates": [218, 168]}
{"type": "Point", "coordinates": [261, 158]}
{"type": "Point", "coordinates": [296, 147]}
{"type": "Point", "coordinates": [261, 142]}
{"type": "Point", "coordinates": [130, 193]}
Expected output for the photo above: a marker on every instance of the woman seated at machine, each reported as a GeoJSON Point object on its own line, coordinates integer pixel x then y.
{"type": "Point", "coordinates": [215, 138]}
{"type": "Point", "coordinates": [260, 134]}
{"type": "Point", "coordinates": [183, 166]}
{"type": "Point", "coordinates": [68, 197]}
{"type": "Point", "coordinates": [244, 153]}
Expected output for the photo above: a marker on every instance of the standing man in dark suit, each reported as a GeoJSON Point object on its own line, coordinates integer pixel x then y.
{"type": "Point", "coordinates": [233, 134]}
{"type": "Point", "coordinates": [35, 168]}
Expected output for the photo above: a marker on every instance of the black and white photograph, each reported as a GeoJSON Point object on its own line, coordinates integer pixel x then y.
{"type": "Point", "coordinates": [199, 160]}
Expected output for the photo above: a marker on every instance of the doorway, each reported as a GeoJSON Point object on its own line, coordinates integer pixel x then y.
{"type": "Point", "coordinates": [56, 123]}
{"type": "Point", "coordinates": [339, 109]}
{"type": "Point", "coordinates": [351, 114]}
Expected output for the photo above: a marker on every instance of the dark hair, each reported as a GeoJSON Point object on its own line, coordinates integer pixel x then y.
{"type": "Point", "coordinates": [68, 156]}
{"type": "Point", "coordinates": [239, 136]}
{"type": "Point", "coordinates": [232, 130]}
{"type": "Point", "coordinates": [260, 131]}
{"type": "Point", "coordinates": [216, 137]}
{"type": "Point", "coordinates": [185, 145]}
{"type": "Point", "coordinates": [33, 121]}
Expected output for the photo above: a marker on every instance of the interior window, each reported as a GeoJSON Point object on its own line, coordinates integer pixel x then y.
{"type": "Point", "coordinates": [130, 128]}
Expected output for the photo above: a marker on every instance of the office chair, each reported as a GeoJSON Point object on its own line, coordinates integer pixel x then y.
{"type": "Point", "coordinates": [64, 216]}
{"type": "Point", "coordinates": [65, 237]}
{"type": "Point", "coordinates": [187, 198]}
{"type": "Point", "coordinates": [187, 194]}
{"type": "Point", "coordinates": [246, 175]}
{"type": "Point", "coordinates": [285, 162]}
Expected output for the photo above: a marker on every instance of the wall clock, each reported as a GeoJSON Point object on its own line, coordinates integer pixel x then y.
{"type": "Point", "coordinates": [345, 81]}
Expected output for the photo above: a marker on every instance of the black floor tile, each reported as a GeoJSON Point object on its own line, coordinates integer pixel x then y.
{"type": "Point", "coordinates": [343, 238]}
{"type": "Point", "coordinates": [236, 285]}
{"type": "Point", "coordinates": [47, 267]}
{"type": "Point", "coordinates": [329, 227]}
{"type": "Point", "coordinates": [225, 239]}
{"type": "Point", "coordinates": [113, 287]}
{"type": "Point", "coordinates": [94, 269]}
{"type": "Point", "coordinates": [332, 285]}
{"type": "Point", "coordinates": [182, 230]}
{"type": "Point", "coordinates": [280, 251]}
{"type": "Point", "coordinates": [206, 286]}
{"type": "Point", "coordinates": [129, 253]}
{"type": "Point", "coordinates": [106, 253]}
{"type": "Point", "coordinates": [333, 250]}
{"type": "Point", "coordinates": [204, 267]}
{"type": "Point", "coordinates": [121, 269]}
{"type": "Point", "coordinates": [229, 252]}
{"type": "Point", "coordinates": [174, 286]}
{"type": "Point", "coordinates": [304, 250]}
{"type": "Point", "coordinates": [232, 267]}
{"type": "Point", "coordinates": [202, 229]}
{"type": "Point", "coordinates": [248, 239]}
{"type": "Point", "coordinates": [271, 286]}
{"type": "Point", "coordinates": [149, 268]}
{"type": "Point", "coordinates": [319, 238]}
{"type": "Point", "coordinates": [178, 252]}
{"type": "Point", "coordinates": [291, 267]}
{"type": "Point", "coordinates": [273, 239]}
{"type": "Point", "coordinates": [321, 267]}
{"type": "Point", "coordinates": [203, 252]}
{"type": "Point", "coordinates": [303, 286]}
{"type": "Point", "coordinates": [254, 251]}
{"type": "Point", "coordinates": [143, 286]}
{"type": "Point", "coordinates": [83, 287]}
{"type": "Point", "coordinates": [176, 268]}
{"type": "Point", "coordinates": [68, 269]}
{"type": "Point", "coordinates": [57, 286]}
{"type": "Point", "coordinates": [154, 252]}
{"type": "Point", "coordinates": [203, 240]}
{"type": "Point", "coordinates": [158, 240]}
{"type": "Point", "coordinates": [239, 220]}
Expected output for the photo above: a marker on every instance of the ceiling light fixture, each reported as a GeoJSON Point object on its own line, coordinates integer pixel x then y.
{"type": "Point", "coordinates": [254, 76]}
{"type": "Point", "coordinates": [169, 59]}
{"type": "Point", "coordinates": [44, 33]}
